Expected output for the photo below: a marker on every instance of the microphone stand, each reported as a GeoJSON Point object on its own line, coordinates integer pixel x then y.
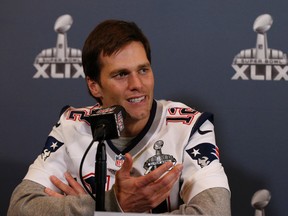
{"type": "Point", "coordinates": [100, 168]}
{"type": "Point", "coordinates": [100, 176]}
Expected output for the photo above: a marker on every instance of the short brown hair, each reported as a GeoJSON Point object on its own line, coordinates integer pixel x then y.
{"type": "Point", "coordinates": [107, 38]}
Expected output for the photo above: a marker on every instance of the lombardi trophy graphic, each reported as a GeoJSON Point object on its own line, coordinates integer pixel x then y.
{"type": "Point", "coordinates": [260, 200]}
{"type": "Point", "coordinates": [261, 62]}
{"type": "Point", "coordinates": [62, 25]}
{"type": "Point", "coordinates": [261, 54]}
{"type": "Point", "coordinates": [60, 61]}
{"type": "Point", "coordinates": [261, 25]}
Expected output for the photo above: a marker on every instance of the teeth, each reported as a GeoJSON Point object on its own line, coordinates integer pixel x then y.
{"type": "Point", "coordinates": [136, 100]}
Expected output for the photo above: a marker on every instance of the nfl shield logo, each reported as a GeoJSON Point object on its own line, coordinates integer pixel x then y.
{"type": "Point", "coordinates": [119, 160]}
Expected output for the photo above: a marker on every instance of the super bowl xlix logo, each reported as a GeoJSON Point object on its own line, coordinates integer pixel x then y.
{"type": "Point", "coordinates": [60, 61]}
{"type": "Point", "coordinates": [261, 62]}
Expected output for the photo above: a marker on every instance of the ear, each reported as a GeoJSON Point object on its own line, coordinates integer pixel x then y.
{"type": "Point", "coordinates": [94, 87]}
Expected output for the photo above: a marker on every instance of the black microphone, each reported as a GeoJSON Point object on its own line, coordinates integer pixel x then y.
{"type": "Point", "coordinates": [107, 123]}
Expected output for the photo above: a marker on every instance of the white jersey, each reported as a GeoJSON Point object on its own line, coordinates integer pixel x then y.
{"type": "Point", "coordinates": [174, 132]}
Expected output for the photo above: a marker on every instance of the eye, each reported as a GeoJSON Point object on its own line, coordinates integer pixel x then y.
{"type": "Point", "coordinates": [120, 74]}
{"type": "Point", "coordinates": [144, 70]}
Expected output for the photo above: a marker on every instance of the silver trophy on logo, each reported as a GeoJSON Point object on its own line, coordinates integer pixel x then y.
{"type": "Point", "coordinates": [158, 159]}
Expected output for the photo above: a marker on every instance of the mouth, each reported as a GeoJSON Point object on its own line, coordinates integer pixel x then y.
{"type": "Point", "coordinates": [136, 100]}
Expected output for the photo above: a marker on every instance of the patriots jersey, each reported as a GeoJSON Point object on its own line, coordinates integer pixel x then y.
{"type": "Point", "coordinates": [174, 132]}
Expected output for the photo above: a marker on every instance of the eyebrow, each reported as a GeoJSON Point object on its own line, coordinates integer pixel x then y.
{"type": "Point", "coordinates": [125, 69]}
{"type": "Point", "coordinates": [145, 65]}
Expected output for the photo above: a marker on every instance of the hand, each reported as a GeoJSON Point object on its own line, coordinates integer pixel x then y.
{"type": "Point", "coordinates": [73, 187]}
{"type": "Point", "coordinates": [140, 194]}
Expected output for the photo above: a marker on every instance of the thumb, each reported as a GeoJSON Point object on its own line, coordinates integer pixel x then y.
{"type": "Point", "coordinates": [126, 167]}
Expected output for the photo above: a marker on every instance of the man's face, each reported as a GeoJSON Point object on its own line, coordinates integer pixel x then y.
{"type": "Point", "coordinates": [126, 79]}
{"type": "Point", "coordinates": [203, 161]}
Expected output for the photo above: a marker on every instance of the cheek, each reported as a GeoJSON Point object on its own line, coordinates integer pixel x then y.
{"type": "Point", "coordinates": [115, 90]}
{"type": "Point", "coordinates": [150, 85]}
{"type": "Point", "coordinates": [148, 82]}
{"type": "Point", "coordinates": [151, 81]}
{"type": "Point", "coordinates": [113, 93]}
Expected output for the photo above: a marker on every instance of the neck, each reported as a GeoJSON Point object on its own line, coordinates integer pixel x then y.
{"type": "Point", "coordinates": [133, 128]}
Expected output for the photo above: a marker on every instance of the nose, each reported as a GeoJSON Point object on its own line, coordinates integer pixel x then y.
{"type": "Point", "coordinates": [135, 81]}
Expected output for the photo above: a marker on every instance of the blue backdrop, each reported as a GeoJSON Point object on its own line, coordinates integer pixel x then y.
{"type": "Point", "coordinates": [193, 47]}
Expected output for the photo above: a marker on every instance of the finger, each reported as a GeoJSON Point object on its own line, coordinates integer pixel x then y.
{"type": "Point", "coordinates": [167, 181]}
{"type": "Point", "coordinates": [52, 193]}
{"type": "Point", "coordinates": [124, 172]}
{"type": "Point", "coordinates": [62, 186]}
{"type": "Point", "coordinates": [163, 186]}
{"type": "Point", "coordinates": [169, 178]}
{"type": "Point", "coordinates": [74, 184]}
{"type": "Point", "coordinates": [156, 174]}
{"type": "Point", "coordinates": [173, 173]}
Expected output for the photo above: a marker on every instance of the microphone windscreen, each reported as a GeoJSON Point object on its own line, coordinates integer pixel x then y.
{"type": "Point", "coordinates": [107, 123]}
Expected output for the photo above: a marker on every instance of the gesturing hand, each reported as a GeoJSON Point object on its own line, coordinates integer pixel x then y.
{"type": "Point", "coordinates": [140, 194]}
{"type": "Point", "coordinates": [73, 187]}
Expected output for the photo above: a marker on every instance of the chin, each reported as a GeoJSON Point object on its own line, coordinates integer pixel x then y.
{"type": "Point", "coordinates": [139, 116]}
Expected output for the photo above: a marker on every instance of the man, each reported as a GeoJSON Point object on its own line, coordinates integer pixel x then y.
{"type": "Point", "coordinates": [160, 143]}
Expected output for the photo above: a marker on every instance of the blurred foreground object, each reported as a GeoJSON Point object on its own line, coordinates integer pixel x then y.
{"type": "Point", "coordinates": [260, 200]}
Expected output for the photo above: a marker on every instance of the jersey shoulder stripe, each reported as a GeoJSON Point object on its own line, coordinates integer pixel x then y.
{"type": "Point", "coordinates": [204, 117]}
